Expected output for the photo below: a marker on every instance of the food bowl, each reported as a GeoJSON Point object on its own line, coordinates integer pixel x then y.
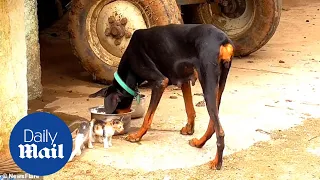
{"type": "Point", "coordinates": [99, 114]}
{"type": "Point", "coordinates": [139, 109]}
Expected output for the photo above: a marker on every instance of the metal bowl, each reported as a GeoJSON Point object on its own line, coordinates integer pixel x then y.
{"type": "Point", "coordinates": [98, 113]}
{"type": "Point", "coordinates": [139, 109]}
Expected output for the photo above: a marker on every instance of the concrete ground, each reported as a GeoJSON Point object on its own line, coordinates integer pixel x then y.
{"type": "Point", "coordinates": [269, 112]}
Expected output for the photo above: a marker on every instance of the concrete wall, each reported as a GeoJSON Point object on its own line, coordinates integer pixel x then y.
{"type": "Point", "coordinates": [33, 49]}
{"type": "Point", "coordinates": [13, 70]}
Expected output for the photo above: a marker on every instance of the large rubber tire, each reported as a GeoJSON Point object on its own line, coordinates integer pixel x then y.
{"type": "Point", "coordinates": [249, 32]}
{"type": "Point", "coordinates": [94, 54]}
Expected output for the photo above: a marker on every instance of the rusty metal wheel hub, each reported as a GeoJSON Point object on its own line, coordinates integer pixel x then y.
{"type": "Point", "coordinates": [233, 8]}
{"type": "Point", "coordinates": [117, 29]}
{"type": "Point", "coordinates": [110, 25]}
{"type": "Point", "coordinates": [233, 17]}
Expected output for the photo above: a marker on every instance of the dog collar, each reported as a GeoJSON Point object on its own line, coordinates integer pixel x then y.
{"type": "Point", "coordinates": [126, 87]}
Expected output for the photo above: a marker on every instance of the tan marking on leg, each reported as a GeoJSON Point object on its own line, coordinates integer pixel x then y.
{"type": "Point", "coordinates": [191, 114]}
{"type": "Point", "coordinates": [217, 162]}
{"type": "Point", "coordinates": [165, 82]}
{"type": "Point", "coordinates": [208, 134]}
{"type": "Point", "coordinates": [195, 73]}
{"type": "Point", "coordinates": [218, 98]}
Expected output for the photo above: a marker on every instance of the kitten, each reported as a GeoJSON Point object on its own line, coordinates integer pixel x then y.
{"type": "Point", "coordinates": [95, 130]}
{"type": "Point", "coordinates": [103, 130]}
{"type": "Point", "coordinates": [82, 136]}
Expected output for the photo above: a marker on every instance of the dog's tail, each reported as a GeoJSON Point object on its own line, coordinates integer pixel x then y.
{"type": "Point", "coordinates": [226, 53]}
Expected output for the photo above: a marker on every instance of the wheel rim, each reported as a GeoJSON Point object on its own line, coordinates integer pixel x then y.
{"type": "Point", "coordinates": [109, 26]}
{"type": "Point", "coordinates": [234, 19]}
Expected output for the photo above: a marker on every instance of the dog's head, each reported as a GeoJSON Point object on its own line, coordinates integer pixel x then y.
{"type": "Point", "coordinates": [114, 100]}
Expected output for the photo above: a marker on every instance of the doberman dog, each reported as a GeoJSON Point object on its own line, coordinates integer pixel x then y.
{"type": "Point", "coordinates": [175, 55]}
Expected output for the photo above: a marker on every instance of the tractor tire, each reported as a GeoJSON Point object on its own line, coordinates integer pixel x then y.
{"type": "Point", "coordinates": [100, 30]}
{"type": "Point", "coordinates": [249, 23]}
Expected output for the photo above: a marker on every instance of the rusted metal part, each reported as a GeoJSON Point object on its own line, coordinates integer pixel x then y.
{"type": "Point", "coordinates": [123, 21]}
{"type": "Point", "coordinates": [107, 31]}
{"type": "Point", "coordinates": [111, 19]}
{"type": "Point", "coordinates": [234, 8]}
{"type": "Point", "coordinates": [185, 2]}
{"type": "Point", "coordinates": [117, 29]}
{"type": "Point", "coordinates": [88, 28]}
{"type": "Point", "coordinates": [241, 20]}
{"type": "Point", "coordinates": [117, 42]}
{"type": "Point", "coordinates": [223, 2]}
{"type": "Point", "coordinates": [127, 34]}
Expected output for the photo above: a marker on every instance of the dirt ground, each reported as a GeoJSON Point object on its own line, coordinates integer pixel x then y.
{"type": "Point", "coordinates": [270, 112]}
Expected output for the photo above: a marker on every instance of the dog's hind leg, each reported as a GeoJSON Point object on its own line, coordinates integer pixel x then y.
{"type": "Point", "coordinates": [156, 95]}
{"type": "Point", "coordinates": [210, 80]}
{"type": "Point", "coordinates": [191, 114]}
{"type": "Point", "coordinates": [217, 162]}
{"type": "Point", "coordinates": [222, 82]}
{"type": "Point", "coordinates": [225, 56]}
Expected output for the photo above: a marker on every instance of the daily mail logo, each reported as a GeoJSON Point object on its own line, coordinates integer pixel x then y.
{"type": "Point", "coordinates": [32, 151]}
{"type": "Point", "coordinates": [40, 144]}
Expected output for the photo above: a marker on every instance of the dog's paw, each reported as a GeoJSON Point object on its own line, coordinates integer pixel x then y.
{"type": "Point", "coordinates": [90, 146]}
{"type": "Point", "coordinates": [187, 130]}
{"type": "Point", "coordinates": [110, 145]}
{"type": "Point", "coordinates": [195, 143]}
{"type": "Point", "coordinates": [133, 138]}
{"type": "Point", "coordinates": [214, 164]}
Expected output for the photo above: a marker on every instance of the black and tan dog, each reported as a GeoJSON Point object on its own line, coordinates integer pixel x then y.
{"type": "Point", "coordinates": [175, 55]}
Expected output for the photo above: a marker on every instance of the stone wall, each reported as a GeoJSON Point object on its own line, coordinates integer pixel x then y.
{"type": "Point", "coordinates": [13, 70]}
{"type": "Point", "coordinates": [33, 49]}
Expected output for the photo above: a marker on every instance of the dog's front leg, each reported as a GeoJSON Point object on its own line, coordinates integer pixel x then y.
{"type": "Point", "coordinates": [156, 95]}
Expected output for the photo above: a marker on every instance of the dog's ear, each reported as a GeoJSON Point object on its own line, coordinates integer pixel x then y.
{"type": "Point", "coordinates": [111, 102]}
{"type": "Point", "coordinates": [101, 93]}
{"type": "Point", "coordinates": [111, 98]}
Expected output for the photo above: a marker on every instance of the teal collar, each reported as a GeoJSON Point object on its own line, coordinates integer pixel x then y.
{"type": "Point", "coordinates": [126, 87]}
